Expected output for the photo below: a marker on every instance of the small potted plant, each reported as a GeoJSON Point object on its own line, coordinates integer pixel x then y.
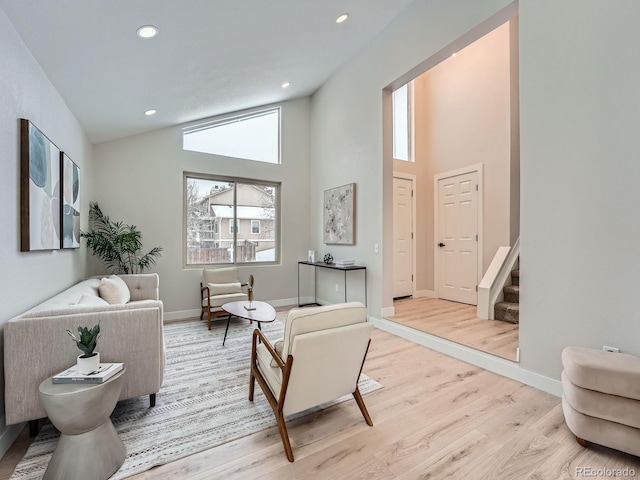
{"type": "Point", "coordinates": [86, 341]}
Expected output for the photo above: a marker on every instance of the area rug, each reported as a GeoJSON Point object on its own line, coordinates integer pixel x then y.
{"type": "Point", "coordinates": [203, 401]}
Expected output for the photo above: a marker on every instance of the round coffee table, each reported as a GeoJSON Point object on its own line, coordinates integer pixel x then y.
{"type": "Point", "coordinates": [261, 312]}
{"type": "Point", "coordinates": [88, 440]}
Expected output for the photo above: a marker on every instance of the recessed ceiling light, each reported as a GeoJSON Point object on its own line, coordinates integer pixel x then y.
{"type": "Point", "coordinates": [342, 18]}
{"type": "Point", "coordinates": [148, 113]}
{"type": "Point", "coordinates": [147, 31]}
{"type": "Point", "coordinates": [286, 84]}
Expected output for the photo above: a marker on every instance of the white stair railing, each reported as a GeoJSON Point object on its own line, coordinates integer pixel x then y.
{"type": "Point", "coordinates": [496, 277]}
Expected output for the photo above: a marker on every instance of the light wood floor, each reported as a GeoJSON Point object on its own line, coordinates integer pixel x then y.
{"type": "Point", "coordinates": [436, 418]}
{"type": "Point", "coordinates": [458, 322]}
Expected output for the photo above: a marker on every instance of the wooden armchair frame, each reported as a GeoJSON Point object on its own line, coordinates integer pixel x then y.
{"type": "Point", "coordinates": [205, 294]}
{"type": "Point", "coordinates": [277, 404]}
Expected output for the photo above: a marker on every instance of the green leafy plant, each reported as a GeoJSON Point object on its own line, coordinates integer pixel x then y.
{"type": "Point", "coordinates": [86, 339]}
{"type": "Point", "coordinates": [117, 244]}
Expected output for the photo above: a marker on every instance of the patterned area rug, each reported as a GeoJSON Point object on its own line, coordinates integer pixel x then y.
{"type": "Point", "coordinates": [203, 401]}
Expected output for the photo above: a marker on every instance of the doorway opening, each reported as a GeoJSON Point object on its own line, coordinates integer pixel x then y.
{"type": "Point", "coordinates": [463, 131]}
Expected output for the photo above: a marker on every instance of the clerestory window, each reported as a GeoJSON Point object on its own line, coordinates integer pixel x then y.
{"type": "Point", "coordinates": [402, 123]}
{"type": "Point", "coordinates": [252, 136]}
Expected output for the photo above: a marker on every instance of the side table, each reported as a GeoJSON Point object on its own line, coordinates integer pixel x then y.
{"type": "Point", "coordinates": [89, 446]}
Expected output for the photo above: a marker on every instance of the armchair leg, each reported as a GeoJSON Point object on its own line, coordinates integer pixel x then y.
{"type": "Point", "coordinates": [358, 397]}
{"type": "Point", "coordinates": [152, 400]}
{"type": "Point", "coordinates": [209, 319]}
{"type": "Point", "coordinates": [252, 384]}
{"type": "Point", "coordinates": [282, 428]}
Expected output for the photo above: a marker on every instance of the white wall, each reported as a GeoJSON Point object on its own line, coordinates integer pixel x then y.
{"type": "Point", "coordinates": [139, 180]}
{"type": "Point", "coordinates": [580, 230]}
{"type": "Point", "coordinates": [347, 128]}
{"type": "Point", "coordinates": [25, 92]}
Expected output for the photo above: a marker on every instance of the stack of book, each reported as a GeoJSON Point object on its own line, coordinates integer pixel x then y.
{"type": "Point", "coordinates": [344, 263]}
{"type": "Point", "coordinates": [103, 373]}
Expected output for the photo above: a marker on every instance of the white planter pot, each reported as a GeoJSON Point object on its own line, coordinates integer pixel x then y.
{"type": "Point", "coordinates": [89, 364]}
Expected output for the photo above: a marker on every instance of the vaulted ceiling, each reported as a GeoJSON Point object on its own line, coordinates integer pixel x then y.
{"type": "Point", "coordinates": [210, 57]}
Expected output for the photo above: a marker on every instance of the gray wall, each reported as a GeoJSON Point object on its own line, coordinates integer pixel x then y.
{"type": "Point", "coordinates": [25, 92]}
{"type": "Point", "coordinates": [141, 182]}
{"type": "Point", "coordinates": [347, 128]}
{"type": "Point", "coordinates": [579, 77]}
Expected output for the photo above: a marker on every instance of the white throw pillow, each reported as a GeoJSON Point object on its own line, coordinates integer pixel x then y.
{"type": "Point", "coordinates": [224, 288]}
{"type": "Point", "coordinates": [114, 290]}
{"type": "Point", "coordinates": [87, 299]}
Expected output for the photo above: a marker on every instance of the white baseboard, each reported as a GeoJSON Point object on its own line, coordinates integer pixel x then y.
{"type": "Point", "coordinates": [487, 361]}
{"type": "Point", "coordinates": [387, 312]}
{"type": "Point", "coordinates": [8, 436]}
{"type": "Point", "coordinates": [425, 293]}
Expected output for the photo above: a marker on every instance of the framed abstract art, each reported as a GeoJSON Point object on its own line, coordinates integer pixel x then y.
{"type": "Point", "coordinates": [70, 212]}
{"type": "Point", "coordinates": [39, 190]}
{"type": "Point", "coordinates": [339, 215]}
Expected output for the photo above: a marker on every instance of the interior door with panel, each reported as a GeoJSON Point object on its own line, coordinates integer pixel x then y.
{"type": "Point", "coordinates": [402, 237]}
{"type": "Point", "coordinates": [457, 238]}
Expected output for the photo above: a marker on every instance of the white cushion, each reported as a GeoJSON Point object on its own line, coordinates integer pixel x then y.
{"type": "Point", "coordinates": [87, 299]}
{"type": "Point", "coordinates": [224, 288]}
{"type": "Point", "coordinates": [114, 290]}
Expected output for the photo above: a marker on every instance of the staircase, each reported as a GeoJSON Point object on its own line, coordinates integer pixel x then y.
{"type": "Point", "coordinates": [509, 309]}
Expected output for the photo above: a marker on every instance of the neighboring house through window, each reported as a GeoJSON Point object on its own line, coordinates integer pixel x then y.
{"type": "Point", "coordinates": [225, 218]}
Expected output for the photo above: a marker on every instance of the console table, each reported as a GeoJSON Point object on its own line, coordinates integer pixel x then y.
{"type": "Point", "coordinates": [332, 266]}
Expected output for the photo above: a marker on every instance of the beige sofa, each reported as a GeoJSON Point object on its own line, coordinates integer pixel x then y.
{"type": "Point", "coordinates": [36, 344]}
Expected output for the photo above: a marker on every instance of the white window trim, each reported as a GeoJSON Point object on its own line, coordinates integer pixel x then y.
{"type": "Point", "coordinates": [252, 232]}
{"type": "Point", "coordinates": [235, 117]}
{"type": "Point", "coordinates": [277, 241]}
{"type": "Point", "coordinates": [410, 126]}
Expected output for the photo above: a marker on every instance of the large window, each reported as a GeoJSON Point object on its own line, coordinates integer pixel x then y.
{"type": "Point", "coordinates": [229, 220]}
{"type": "Point", "coordinates": [254, 136]}
{"type": "Point", "coordinates": [402, 122]}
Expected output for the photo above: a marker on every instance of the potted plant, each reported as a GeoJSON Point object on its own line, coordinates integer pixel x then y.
{"type": "Point", "coordinates": [117, 244]}
{"type": "Point", "coordinates": [86, 341]}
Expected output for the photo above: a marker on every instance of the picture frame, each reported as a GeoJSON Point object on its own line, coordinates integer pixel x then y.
{"type": "Point", "coordinates": [39, 190]}
{"type": "Point", "coordinates": [339, 215]}
{"type": "Point", "coordinates": [70, 204]}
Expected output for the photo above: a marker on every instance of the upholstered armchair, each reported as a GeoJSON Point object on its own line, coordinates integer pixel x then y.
{"type": "Point", "coordinates": [219, 286]}
{"type": "Point", "coordinates": [319, 359]}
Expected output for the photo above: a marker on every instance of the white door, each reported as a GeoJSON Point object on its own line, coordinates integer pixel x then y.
{"type": "Point", "coordinates": [457, 238]}
{"type": "Point", "coordinates": [402, 237]}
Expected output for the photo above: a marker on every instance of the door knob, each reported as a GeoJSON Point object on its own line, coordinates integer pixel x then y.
{"type": "Point", "coordinates": [441, 245]}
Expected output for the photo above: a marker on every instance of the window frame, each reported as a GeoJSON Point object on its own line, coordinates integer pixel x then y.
{"type": "Point", "coordinates": [410, 125]}
{"type": "Point", "coordinates": [252, 232]}
{"type": "Point", "coordinates": [277, 241]}
{"type": "Point", "coordinates": [233, 118]}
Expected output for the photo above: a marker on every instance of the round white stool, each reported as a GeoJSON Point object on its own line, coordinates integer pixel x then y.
{"type": "Point", "coordinates": [89, 446]}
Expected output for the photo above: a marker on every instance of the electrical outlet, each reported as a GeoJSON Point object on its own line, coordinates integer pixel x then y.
{"type": "Point", "coordinates": [337, 288]}
{"type": "Point", "coordinates": [376, 249]}
{"type": "Point", "coordinates": [611, 349]}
